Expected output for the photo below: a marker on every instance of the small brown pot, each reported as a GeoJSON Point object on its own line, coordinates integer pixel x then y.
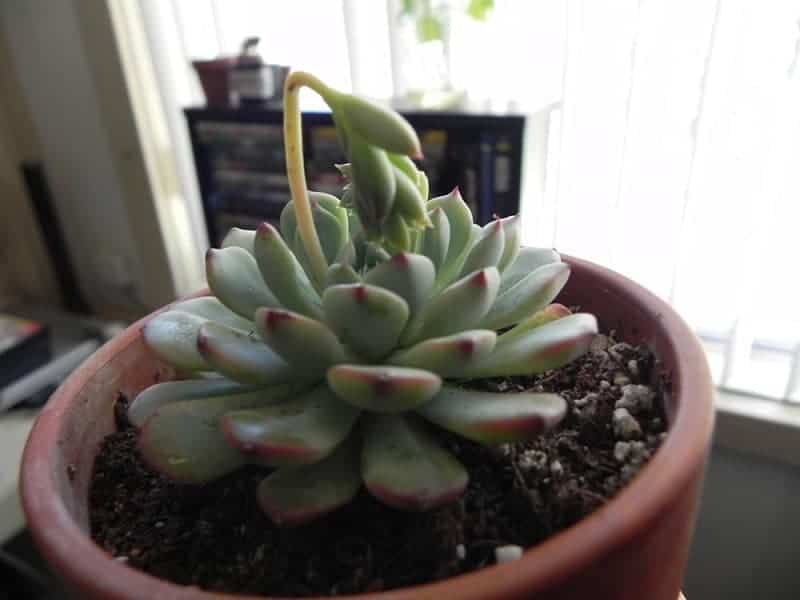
{"type": "Point", "coordinates": [633, 548]}
{"type": "Point", "coordinates": [213, 75]}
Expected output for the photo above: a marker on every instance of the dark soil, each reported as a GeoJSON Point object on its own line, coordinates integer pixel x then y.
{"type": "Point", "coordinates": [215, 536]}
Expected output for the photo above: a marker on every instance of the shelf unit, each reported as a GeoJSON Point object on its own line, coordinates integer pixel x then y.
{"type": "Point", "coordinates": [241, 171]}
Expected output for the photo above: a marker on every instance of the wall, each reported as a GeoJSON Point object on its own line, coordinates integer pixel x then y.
{"type": "Point", "coordinates": [746, 543]}
{"type": "Point", "coordinates": [80, 146]}
{"type": "Point", "coordinates": [25, 271]}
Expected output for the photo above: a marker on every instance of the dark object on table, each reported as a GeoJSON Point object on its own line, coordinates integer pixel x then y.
{"type": "Point", "coordinates": [24, 346]}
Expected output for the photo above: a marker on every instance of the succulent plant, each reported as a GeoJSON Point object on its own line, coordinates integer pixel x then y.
{"type": "Point", "coordinates": [333, 350]}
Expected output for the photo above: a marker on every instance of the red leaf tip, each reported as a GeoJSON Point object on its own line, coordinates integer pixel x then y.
{"type": "Point", "coordinates": [360, 293]}
{"type": "Point", "coordinates": [479, 279]}
{"type": "Point", "coordinates": [265, 229]}
{"type": "Point", "coordinates": [382, 385]}
{"type": "Point", "coordinates": [202, 343]}
{"type": "Point", "coordinates": [400, 259]}
{"type": "Point", "coordinates": [466, 347]}
{"type": "Point", "coordinates": [274, 317]}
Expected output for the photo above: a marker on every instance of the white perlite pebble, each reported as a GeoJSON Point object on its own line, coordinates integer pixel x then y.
{"type": "Point", "coordinates": [621, 379]}
{"type": "Point", "coordinates": [634, 453]}
{"type": "Point", "coordinates": [617, 350]}
{"type": "Point", "coordinates": [504, 554]}
{"type": "Point", "coordinates": [461, 552]}
{"type": "Point", "coordinates": [625, 426]}
{"type": "Point", "coordinates": [532, 460]}
{"type": "Point", "coordinates": [639, 453]}
{"type": "Point", "coordinates": [633, 368]}
{"type": "Point", "coordinates": [636, 398]}
{"type": "Point", "coordinates": [556, 469]}
{"type": "Point", "coordinates": [621, 451]}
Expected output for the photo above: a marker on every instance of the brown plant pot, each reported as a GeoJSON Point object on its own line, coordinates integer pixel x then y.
{"type": "Point", "coordinates": [213, 75]}
{"type": "Point", "coordinates": [633, 548]}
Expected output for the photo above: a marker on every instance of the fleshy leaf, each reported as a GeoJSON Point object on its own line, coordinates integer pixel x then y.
{"type": "Point", "coordinates": [436, 239]}
{"type": "Point", "coordinates": [331, 228]}
{"type": "Point", "coordinates": [410, 276]}
{"type": "Point", "coordinates": [183, 439]}
{"type": "Point", "coordinates": [457, 308]}
{"type": "Point", "coordinates": [151, 399]}
{"type": "Point", "coordinates": [366, 318]}
{"type": "Point", "coordinates": [405, 165]}
{"type": "Point", "coordinates": [211, 309]}
{"type": "Point", "coordinates": [374, 255]}
{"type": "Point", "coordinates": [403, 465]}
{"type": "Point", "coordinates": [550, 313]}
{"type": "Point", "coordinates": [397, 233]}
{"type": "Point", "coordinates": [295, 495]}
{"type": "Point", "coordinates": [528, 296]}
{"type": "Point", "coordinates": [492, 418]}
{"type": "Point", "coordinates": [448, 356]}
{"type": "Point", "coordinates": [341, 273]}
{"type": "Point", "coordinates": [235, 279]}
{"type": "Point", "coordinates": [527, 261]}
{"type": "Point", "coordinates": [382, 388]}
{"type": "Point", "coordinates": [283, 273]}
{"type": "Point", "coordinates": [512, 227]}
{"type": "Point", "coordinates": [408, 201]}
{"type": "Point", "coordinates": [547, 347]}
{"type": "Point", "coordinates": [300, 431]}
{"type": "Point", "coordinates": [304, 343]}
{"type": "Point", "coordinates": [172, 335]}
{"type": "Point", "coordinates": [242, 238]}
{"type": "Point", "coordinates": [374, 185]}
{"type": "Point", "coordinates": [460, 218]}
{"type": "Point", "coordinates": [378, 125]}
{"type": "Point", "coordinates": [488, 250]}
{"type": "Point", "coordinates": [423, 185]}
{"type": "Point", "coordinates": [243, 356]}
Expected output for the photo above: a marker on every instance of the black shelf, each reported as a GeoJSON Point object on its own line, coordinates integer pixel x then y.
{"type": "Point", "coordinates": [238, 155]}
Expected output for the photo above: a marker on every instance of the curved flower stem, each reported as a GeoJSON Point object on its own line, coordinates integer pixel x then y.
{"type": "Point", "coordinates": [295, 169]}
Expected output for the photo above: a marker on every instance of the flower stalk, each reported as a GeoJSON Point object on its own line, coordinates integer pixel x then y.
{"type": "Point", "coordinates": [295, 169]}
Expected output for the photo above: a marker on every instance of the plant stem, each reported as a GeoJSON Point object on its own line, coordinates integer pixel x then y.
{"type": "Point", "coordinates": [295, 167]}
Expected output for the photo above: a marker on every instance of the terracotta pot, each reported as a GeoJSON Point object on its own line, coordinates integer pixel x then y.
{"type": "Point", "coordinates": [633, 548]}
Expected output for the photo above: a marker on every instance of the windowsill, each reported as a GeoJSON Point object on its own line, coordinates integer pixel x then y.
{"type": "Point", "coordinates": [759, 427]}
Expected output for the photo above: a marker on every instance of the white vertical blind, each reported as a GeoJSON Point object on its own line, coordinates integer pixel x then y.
{"type": "Point", "coordinates": [672, 154]}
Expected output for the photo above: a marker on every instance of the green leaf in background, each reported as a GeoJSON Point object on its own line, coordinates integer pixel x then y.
{"type": "Point", "coordinates": [407, 7]}
{"type": "Point", "coordinates": [480, 9]}
{"type": "Point", "coordinates": [429, 28]}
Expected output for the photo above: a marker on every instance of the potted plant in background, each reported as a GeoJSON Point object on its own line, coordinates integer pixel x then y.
{"type": "Point", "coordinates": [364, 355]}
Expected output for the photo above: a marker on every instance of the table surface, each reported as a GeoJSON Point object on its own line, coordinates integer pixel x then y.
{"type": "Point", "coordinates": [66, 332]}
{"type": "Point", "coordinates": [14, 429]}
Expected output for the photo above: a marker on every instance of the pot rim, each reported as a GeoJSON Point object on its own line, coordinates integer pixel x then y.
{"type": "Point", "coordinates": [640, 502]}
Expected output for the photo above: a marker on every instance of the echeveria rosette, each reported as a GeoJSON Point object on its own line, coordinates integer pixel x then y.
{"type": "Point", "coordinates": [342, 378]}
